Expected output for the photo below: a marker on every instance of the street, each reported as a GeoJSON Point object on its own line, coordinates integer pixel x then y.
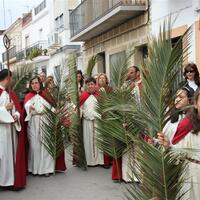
{"type": "Point", "coordinates": [75, 184]}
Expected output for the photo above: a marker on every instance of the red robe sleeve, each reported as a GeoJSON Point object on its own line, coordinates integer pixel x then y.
{"type": "Point", "coordinates": [184, 127]}
{"type": "Point", "coordinates": [84, 97]}
{"type": "Point", "coordinates": [20, 165]}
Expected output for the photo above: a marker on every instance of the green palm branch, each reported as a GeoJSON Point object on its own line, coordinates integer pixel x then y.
{"type": "Point", "coordinates": [161, 173]}
{"type": "Point", "coordinates": [75, 130]}
{"type": "Point", "coordinates": [91, 63]}
{"type": "Point", "coordinates": [55, 136]}
{"type": "Point", "coordinates": [157, 169]}
{"type": "Point", "coordinates": [112, 136]}
{"type": "Point", "coordinates": [20, 78]}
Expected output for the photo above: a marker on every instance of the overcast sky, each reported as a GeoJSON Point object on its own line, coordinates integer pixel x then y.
{"type": "Point", "coordinates": [13, 10]}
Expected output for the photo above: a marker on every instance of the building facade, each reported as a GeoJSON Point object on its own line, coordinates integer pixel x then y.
{"type": "Point", "coordinates": [184, 14]}
{"type": "Point", "coordinates": [59, 43]}
{"type": "Point", "coordinates": [109, 29]}
{"type": "Point", "coordinates": [43, 37]}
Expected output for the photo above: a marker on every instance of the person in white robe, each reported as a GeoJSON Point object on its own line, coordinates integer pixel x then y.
{"type": "Point", "coordinates": [187, 136]}
{"type": "Point", "coordinates": [9, 119]}
{"type": "Point", "coordinates": [135, 83]}
{"type": "Point", "coordinates": [88, 102]}
{"type": "Point", "coordinates": [39, 160]}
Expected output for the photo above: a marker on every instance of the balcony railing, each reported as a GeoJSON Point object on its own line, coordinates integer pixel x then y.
{"type": "Point", "coordinates": [12, 54]}
{"type": "Point", "coordinates": [90, 11]}
{"type": "Point", "coordinates": [23, 54]}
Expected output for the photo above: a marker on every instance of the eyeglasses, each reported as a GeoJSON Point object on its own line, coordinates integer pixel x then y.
{"type": "Point", "coordinates": [191, 71]}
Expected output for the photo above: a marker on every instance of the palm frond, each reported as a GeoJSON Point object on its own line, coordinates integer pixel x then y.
{"type": "Point", "coordinates": [112, 137]}
{"type": "Point", "coordinates": [75, 129]}
{"type": "Point", "coordinates": [55, 136]}
{"type": "Point", "coordinates": [161, 173]}
{"type": "Point", "coordinates": [20, 78]}
{"type": "Point", "coordinates": [91, 63]}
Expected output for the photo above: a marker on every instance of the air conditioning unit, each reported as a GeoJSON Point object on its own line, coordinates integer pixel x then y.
{"type": "Point", "coordinates": [53, 40]}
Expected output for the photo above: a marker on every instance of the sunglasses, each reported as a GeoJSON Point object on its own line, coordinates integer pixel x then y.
{"type": "Point", "coordinates": [191, 71]}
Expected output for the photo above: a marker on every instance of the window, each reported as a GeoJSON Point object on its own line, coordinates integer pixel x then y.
{"type": "Point", "coordinates": [59, 22]}
{"type": "Point", "coordinates": [27, 41]}
{"type": "Point", "coordinates": [116, 60]}
{"type": "Point", "coordinates": [40, 34]}
{"type": "Point", "coordinates": [40, 7]}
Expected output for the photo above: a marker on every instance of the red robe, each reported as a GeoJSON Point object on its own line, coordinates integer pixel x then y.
{"type": "Point", "coordinates": [60, 161]}
{"type": "Point", "coordinates": [85, 95]}
{"type": "Point", "coordinates": [20, 165]}
{"type": "Point", "coordinates": [184, 127]}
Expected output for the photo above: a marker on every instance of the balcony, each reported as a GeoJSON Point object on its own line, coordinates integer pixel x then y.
{"type": "Point", "coordinates": [12, 54]}
{"type": "Point", "coordinates": [23, 54]}
{"type": "Point", "coordinates": [94, 17]}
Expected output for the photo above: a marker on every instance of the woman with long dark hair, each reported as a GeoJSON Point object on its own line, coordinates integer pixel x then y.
{"type": "Point", "coordinates": [191, 75]}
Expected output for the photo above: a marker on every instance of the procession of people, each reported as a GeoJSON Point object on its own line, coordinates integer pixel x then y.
{"type": "Point", "coordinates": [22, 151]}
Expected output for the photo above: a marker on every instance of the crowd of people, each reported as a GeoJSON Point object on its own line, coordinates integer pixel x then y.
{"type": "Point", "coordinates": [15, 161]}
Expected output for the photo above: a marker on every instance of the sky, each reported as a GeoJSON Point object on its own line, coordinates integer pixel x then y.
{"type": "Point", "coordinates": [13, 10]}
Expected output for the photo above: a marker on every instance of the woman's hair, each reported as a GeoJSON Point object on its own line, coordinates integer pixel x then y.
{"type": "Point", "coordinates": [192, 66]}
{"type": "Point", "coordinates": [82, 77]}
{"type": "Point", "coordinates": [194, 115]}
{"type": "Point", "coordinates": [175, 112]}
{"type": "Point", "coordinates": [102, 74]}
{"type": "Point", "coordinates": [39, 80]}
{"type": "Point", "coordinates": [48, 80]}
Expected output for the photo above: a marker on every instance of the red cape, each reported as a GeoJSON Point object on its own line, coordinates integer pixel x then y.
{"type": "Point", "coordinates": [60, 161]}
{"type": "Point", "coordinates": [85, 95]}
{"type": "Point", "coordinates": [184, 127]}
{"type": "Point", "coordinates": [43, 93]}
{"type": "Point", "coordinates": [20, 165]}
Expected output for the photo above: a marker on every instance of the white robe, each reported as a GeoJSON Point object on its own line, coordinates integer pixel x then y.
{"type": "Point", "coordinates": [192, 184]}
{"type": "Point", "coordinates": [94, 156]}
{"type": "Point", "coordinates": [127, 165]}
{"type": "Point", "coordinates": [170, 128]}
{"type": "Point", "coordinates": [39, 160]}
{"type": "Point", "coordinates": [6, 143]}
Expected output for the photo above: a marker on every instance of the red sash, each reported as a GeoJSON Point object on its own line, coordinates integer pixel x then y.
{"type": "Point", "coordinates": [184, 127]}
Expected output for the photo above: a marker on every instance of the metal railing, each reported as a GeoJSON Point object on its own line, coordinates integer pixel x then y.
{"type": "Point", "coordinates": [25, 52]}
{"type": "Point", "coordinates": [12, 54]}
{"type": "Point", "coordinates": [89, 11]}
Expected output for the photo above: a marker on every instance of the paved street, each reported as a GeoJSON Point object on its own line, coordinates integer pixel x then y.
{"type": "Point", "coordinates": [75, 184]}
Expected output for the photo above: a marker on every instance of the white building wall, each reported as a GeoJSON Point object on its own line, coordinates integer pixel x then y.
{"type": "Point", "coordinates": [182, 12]}
{"type": "Point", "coordinates": [59, 8]}
{"type": "Point", "coordinates": [33, 29]}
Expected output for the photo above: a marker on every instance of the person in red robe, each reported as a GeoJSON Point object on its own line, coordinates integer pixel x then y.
{"type": "Point", "coordinates": [46, 95]}
{"type": "Point", "coordinates": [88, 102]}
{"type": "Point", "coordinates": [19, 166]}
